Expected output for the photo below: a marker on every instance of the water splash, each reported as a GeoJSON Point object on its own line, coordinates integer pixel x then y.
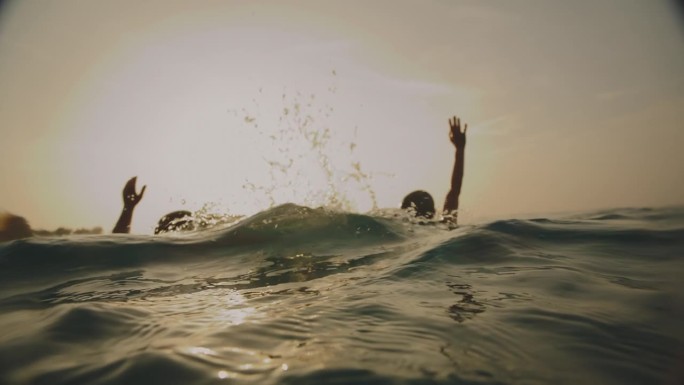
{"type": "Point", "coordinates": [309, 162]}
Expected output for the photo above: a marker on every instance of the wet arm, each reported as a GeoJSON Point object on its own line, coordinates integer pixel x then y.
{"type": "Point", "coordinates": [451, 201]}
{"type": "Point", "coordinates": [130, 200]}
{"type": "Point", "coordinates": [123, 225]}
{"type": "Point", "coordinates": [458, 139]}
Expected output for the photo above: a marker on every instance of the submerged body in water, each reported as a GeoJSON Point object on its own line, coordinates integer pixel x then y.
{"type": "Point", "coordinates": [295, 295]}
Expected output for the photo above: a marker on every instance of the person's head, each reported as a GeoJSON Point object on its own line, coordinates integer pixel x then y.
{"type": "Point", "coordinates": [13, 227]}
{"type": "Point", "coordinates": [421, 202]}
{"type": "Point", "coordinates": [175, 221]}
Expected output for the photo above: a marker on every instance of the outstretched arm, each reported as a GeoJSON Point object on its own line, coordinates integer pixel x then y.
{"type": "Point", "coordinates": [130, 200]}
{"type": "Point", "coordinates": [458, 138]}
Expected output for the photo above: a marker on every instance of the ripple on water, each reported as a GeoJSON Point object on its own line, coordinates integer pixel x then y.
{"type": "Point", "coordinates": [511, 302]}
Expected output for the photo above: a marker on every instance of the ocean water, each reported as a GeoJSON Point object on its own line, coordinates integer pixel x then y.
{"type": "Point", "coordinates": [295, 295]}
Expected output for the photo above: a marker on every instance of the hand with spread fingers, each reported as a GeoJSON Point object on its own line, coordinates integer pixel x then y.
{"type": "Point", "coordinates": [130, 200]}
{"type": "Point", "coordinates": [130, 197]}
{"type": "Point", "coordinates": [457, 137]}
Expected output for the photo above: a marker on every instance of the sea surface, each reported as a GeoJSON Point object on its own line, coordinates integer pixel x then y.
{"type": "Point", "coordinates": [295, 295]}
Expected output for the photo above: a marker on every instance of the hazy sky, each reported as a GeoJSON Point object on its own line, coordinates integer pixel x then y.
{"type": "Point", "coordinates": [572, 105]}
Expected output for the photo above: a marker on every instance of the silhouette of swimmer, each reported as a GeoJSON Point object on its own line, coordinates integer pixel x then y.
{"type": "Point", "coordinates": [130, 200]}
{"type": "Point", "coordinates": [422, 203]}
{"type": "Point", "coordinates": [13, 227]}
{"type": "Point", "coordinates": [175, 221]}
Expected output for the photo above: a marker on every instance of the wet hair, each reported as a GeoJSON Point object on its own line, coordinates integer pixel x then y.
{"type": "Point", "coordinates": [421, 202]}
{"type": "Point", "coordinates": [175, 221]}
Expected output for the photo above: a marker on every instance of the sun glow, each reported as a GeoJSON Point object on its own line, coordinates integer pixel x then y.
{"type": "Point", "coordinates": [247, 144]}
{"type": "Point", "coordinates": [190, 96]}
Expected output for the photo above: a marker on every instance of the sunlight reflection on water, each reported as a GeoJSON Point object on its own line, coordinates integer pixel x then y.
{"type": "Point", "coordinates": [485, 304]}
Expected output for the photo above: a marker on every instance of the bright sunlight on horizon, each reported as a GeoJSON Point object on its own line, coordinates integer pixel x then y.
{"type": "Point", "coordinates": [236, 106]}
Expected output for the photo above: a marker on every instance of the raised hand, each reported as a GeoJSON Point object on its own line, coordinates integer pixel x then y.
{"type": "Point", "coordinates": [457, 137]}
{"type": "Point", "coordinates": [130, 197]}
